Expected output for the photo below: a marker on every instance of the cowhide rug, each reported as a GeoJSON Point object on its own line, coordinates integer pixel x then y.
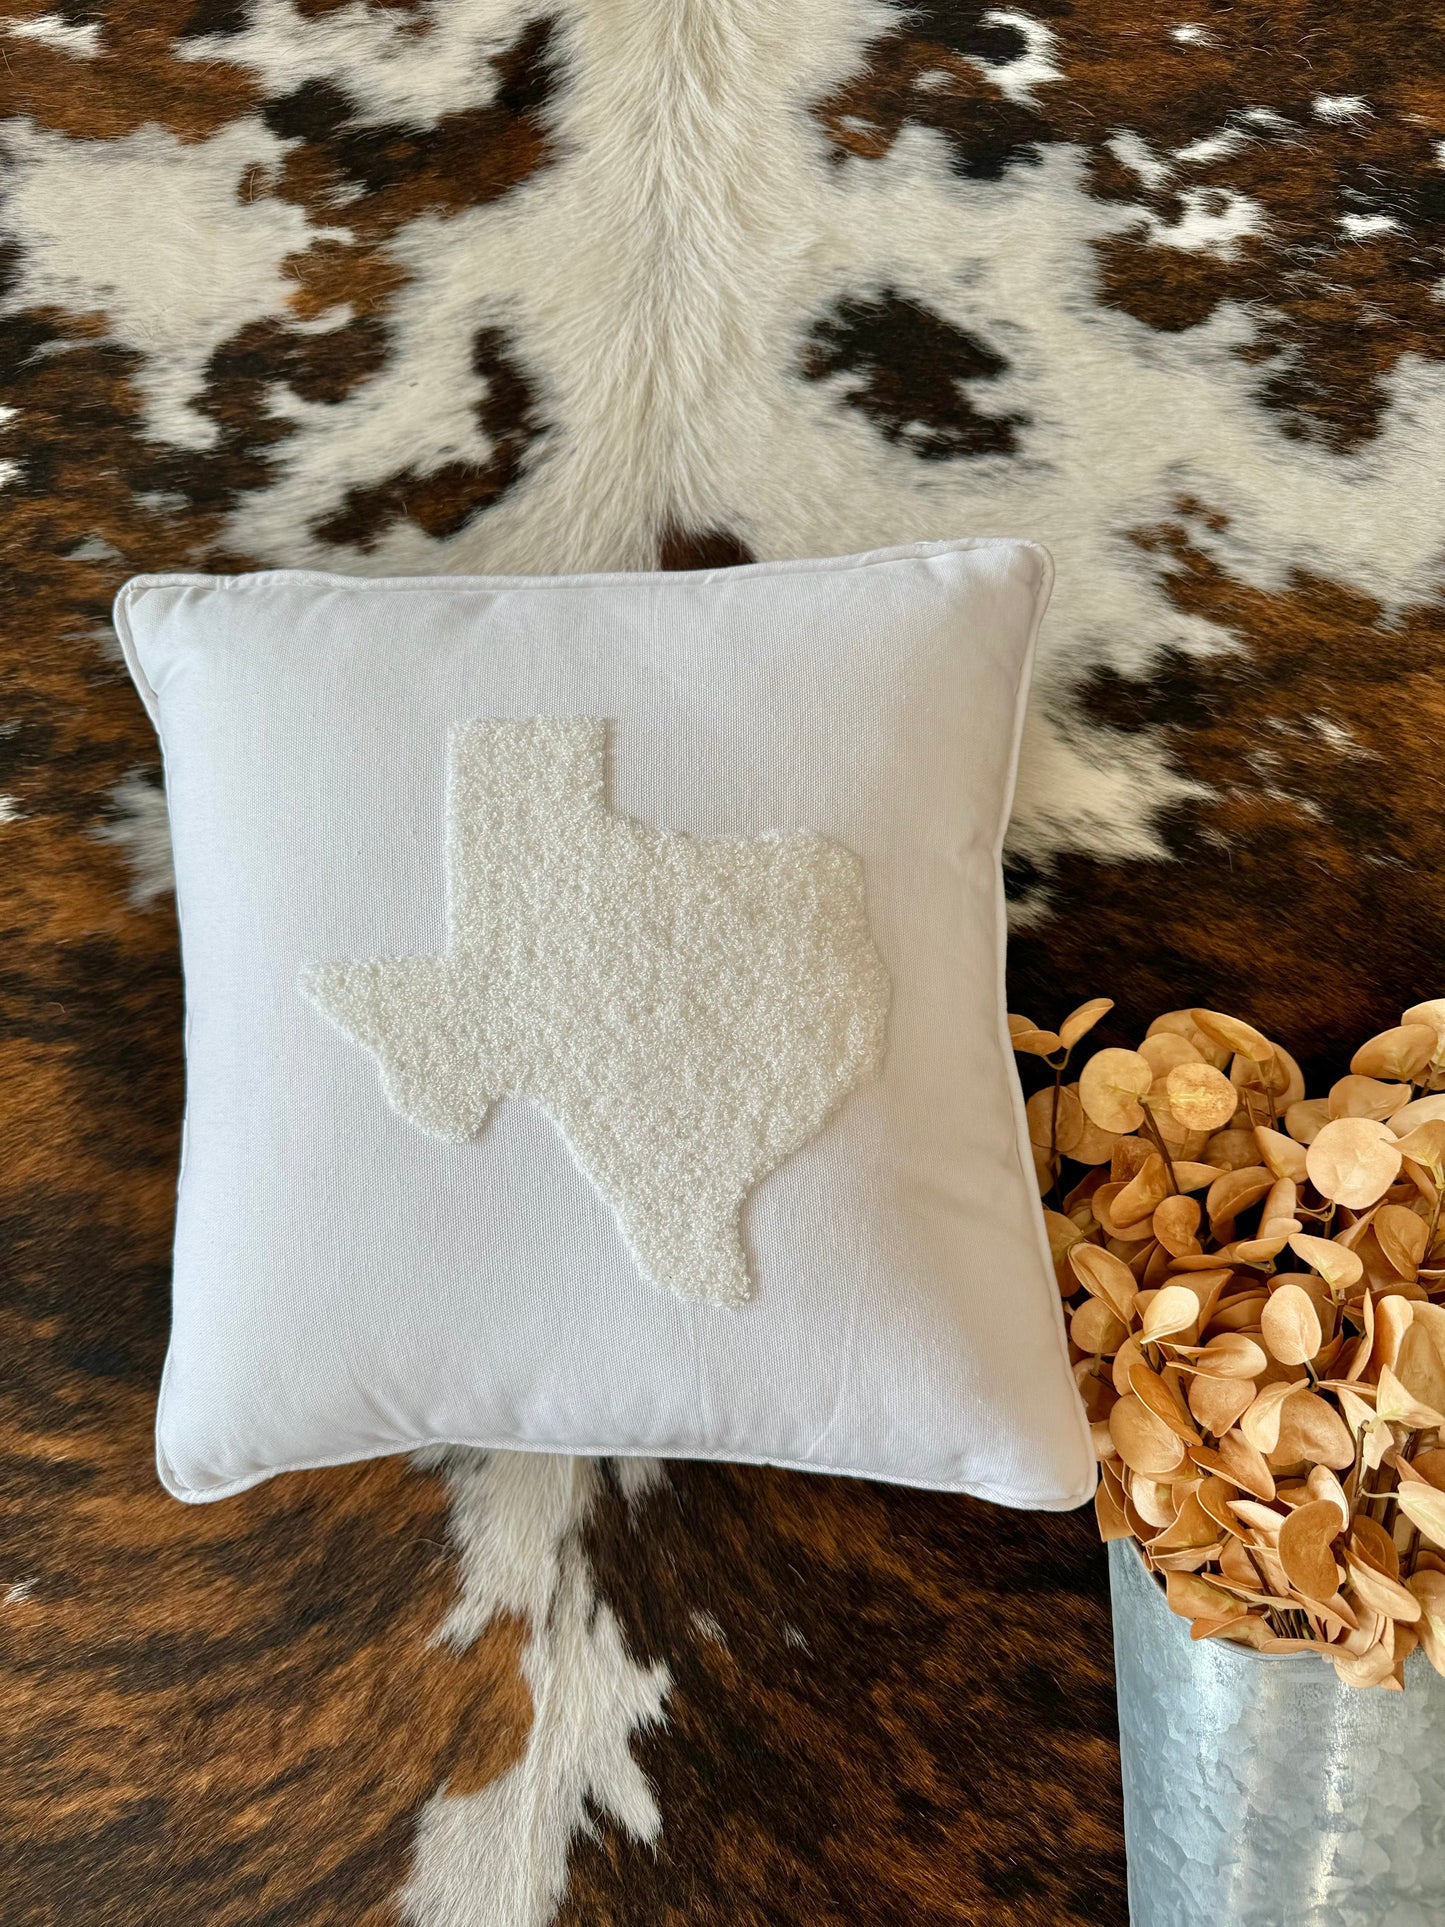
{"type": "Point", "coordinates": [477, 285]}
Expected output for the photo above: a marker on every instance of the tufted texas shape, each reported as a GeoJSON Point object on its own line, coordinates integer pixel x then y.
{"type": "Point", "coordinates": [690, 1011]}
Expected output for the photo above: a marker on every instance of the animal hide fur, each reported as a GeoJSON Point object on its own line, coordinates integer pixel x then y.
{"type": "Point", "coordinates": [396, 285]}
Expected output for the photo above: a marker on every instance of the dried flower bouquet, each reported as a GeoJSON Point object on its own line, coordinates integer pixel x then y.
{"type": "Point", "coordinates": [1254, 1280]}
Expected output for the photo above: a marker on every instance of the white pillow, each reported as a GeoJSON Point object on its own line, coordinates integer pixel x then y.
{"type": "Point", "coordinates": [595, 1025]}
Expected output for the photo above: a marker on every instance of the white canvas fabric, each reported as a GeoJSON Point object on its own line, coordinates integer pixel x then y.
{"type": "Point", "coordinates": [595, 1026]}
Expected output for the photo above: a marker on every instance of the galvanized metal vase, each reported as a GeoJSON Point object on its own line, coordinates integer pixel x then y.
{"type": "Point", "coordinates": [1260, 1792]}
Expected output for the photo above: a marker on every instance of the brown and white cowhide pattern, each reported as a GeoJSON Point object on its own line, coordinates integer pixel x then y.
{"type": "Point", "coordinates": [397, 285]}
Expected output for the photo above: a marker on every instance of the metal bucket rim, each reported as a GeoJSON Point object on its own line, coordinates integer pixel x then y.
{"type": "Point", "coordinates": [1312, 1669]}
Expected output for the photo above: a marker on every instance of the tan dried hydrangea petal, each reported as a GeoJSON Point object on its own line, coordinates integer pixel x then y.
{"type": "Point", "coordinates": [1192, 1529]}
{"type": "Point", "coordinates": [1397, 1404]}
{"type": "Point", "coordinates": [1164, 1050]}
{"type": "Point", "coordinates": [1326, 1307]}
{"type": "Point", "coordinates": [1379, 1594]}
{"type": "Point", "coordinates": [1425, 1145]}
{"type": "Point", "coordinates": [1108, 1278]}
{"type": "Point", "coordinates": [1150, 1389]}
{"type": "Point", "coordinates": [1194, 1598]}
{"type": "Point", "coordinates": [1080, 1021]}
{"type": "Point", "coordinates": [1194, 1560]}
{"type": "Point", "coordinates": [1312, 1431]}
{"type": "Point", "coordinates": [1236, 1191]}
{"type": "Point", "coordinates": [1370, 1668]}
{"type": "Point", "coordinates": [1260, 1423]}
{"type": "Point", "coordinates": [1176, 1135]}
{"type": "Point", "coordinates": [1112, 1474]}
{"type": "Point", "coordinates": [1373, 1546]}
{"type": "Point", "coordinates": [1239, 1038]}
{"type": "Point", "coordinates": [1173, 1309]}
{"type": "Point", "coordinates": [1180, 1023]}
{"type": "Point", "coordinates": [1067, 1120]}
{"type": "Point", "coordinates": [1291, 1325]}
{"type": "Point", "coordinates": [1238, 1311]}
{"type": "Point", "coordinates": [1398, 1056]}
{"type": "Point", "coordinates": [1094, 1146]}
{"type": "Point", "coordinates": [1402, 1234]}
{"type": "Point", "coordinates": [1153, 1500]}
{"type": "Point", "coordinates": [1192, 1175]}
{"type": "Point", "coordinates": [1366, 1097]}
{"type": "Point", "coordinates": [1424, 1506]}
{"type": "Point", "coordinates": [1429, 1588]}
{"type": "Point", "coordinates": [1143, 1441]}
{"type": "Point", "coordinates": [1064, 1234]}
{"type": "Point", "coordinates": [1420, 1110]}
{"type": "Point", "coordinates": [1281, 1154]}
{"type": "Point", "coordinates": [1431, 1012]}
{"type": "Point", "coordinates": [1304, 1546]}
{"type": "Point", "coordinates": [1267, 1245]}
{"type": "Point", "coordinates": [1432, 1638]}
{"type": "Point", "coordinates": [1420, 1368]}
{"type": "Point", "coordinates": [1393, 1316]}
{"type": "Point", "coordinates": [1357, 1413]}
{"type": "Point", "coordinates": [1214, 1496]}
{"type": "Point", "coordinates": [1208, 1284]}
{"type": "Point", "coordinates": [1229, 1355]}
{"type": "Point", "coordinates": [1254, 1631]}
{"type": "Point", "coordinates": [1109, 1514]}
{"type": "Point", "coordinates": [1176, 1225]}
{"type": "Point", "coordinates": [1262, 1520]}
{"type": "Point", "coordinates": [1095, 1329]}
{"type": "Point", "coordinates": [1239, 1462]}
{"type": "Point", "coordinates": [1110, 1086]}
{"type": "Point", "coordinates": [1304, 1121]}
{"type": "Point", "coordinates": [1096, 1393]}
{"type": "Point", "coordinates": [1277, 1084]}
{"type": "Point", "coordinates": [1202, 1098]}
{"type": "Point", "coordinates": [1102, 1203]}
{"type": "Point", "coordinates": [1338, 1267]}
{"type": "Point", "coordinates": [1234, 1149]}
{"type": "Point", "coordinates": [1143, 1194]}
{"type": "Point", "coordinates": [1235, 1565]}
{"type": "Point", "coordinates": [1026, 1036]}
{"type": "Point", "coordinates": [1219, 1403]}
{"type": "Point", "coordinates": [1281, 1202]}
{"type": "Point", "coordinates": [1128, 1158]}
{"type": "Point", "coordinates": [1430, 1318]}
{"type": "Point", "coordinates": [1322, 1484]}
{"type": "Point", "coordinates": [1354, 1161]}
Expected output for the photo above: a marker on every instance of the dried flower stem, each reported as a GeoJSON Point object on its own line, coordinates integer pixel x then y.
{"type": "Point", "coordinates": [1153, 1132]}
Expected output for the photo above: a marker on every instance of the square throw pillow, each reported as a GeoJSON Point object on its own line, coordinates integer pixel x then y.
{"type": "Point", "coordinates": [595, 1028]}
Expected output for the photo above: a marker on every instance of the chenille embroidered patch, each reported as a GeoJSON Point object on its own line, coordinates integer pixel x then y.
{"type": "Point", "coordinates": [688, 1010]}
